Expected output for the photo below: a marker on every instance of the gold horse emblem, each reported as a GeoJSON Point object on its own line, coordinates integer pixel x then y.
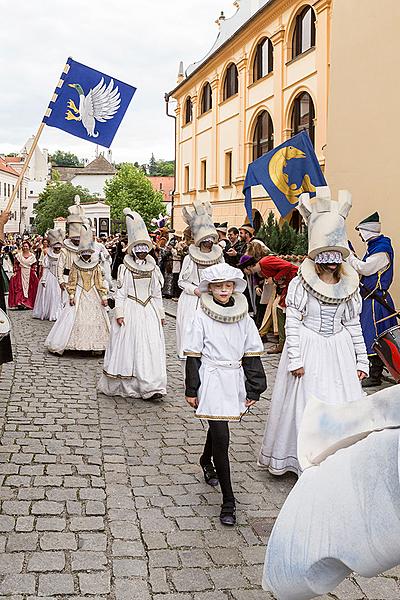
{"type": "Point", "coordinates": [281, 180]}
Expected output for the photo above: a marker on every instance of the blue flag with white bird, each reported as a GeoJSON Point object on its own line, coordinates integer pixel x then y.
{"type": "Point", "coordinates": [285, 172]}
{"type": "Point", "coordinates": [88, 103]}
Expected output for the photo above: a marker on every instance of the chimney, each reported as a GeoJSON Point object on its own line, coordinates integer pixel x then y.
{"type": "Point", "coordinates": [181, 73]}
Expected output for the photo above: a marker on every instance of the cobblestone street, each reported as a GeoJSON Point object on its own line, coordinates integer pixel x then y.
{"type": "Point", "coordinates": [104, 498]}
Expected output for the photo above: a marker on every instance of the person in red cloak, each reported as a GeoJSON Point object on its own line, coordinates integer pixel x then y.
{"type": "Point", "coordinates": [24, 282]}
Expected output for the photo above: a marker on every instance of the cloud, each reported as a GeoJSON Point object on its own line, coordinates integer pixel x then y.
{"type": "Point", "coordinates": [138, 41]}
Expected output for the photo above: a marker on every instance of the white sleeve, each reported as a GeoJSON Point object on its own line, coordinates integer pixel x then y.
{"type": "Point", "coordinates": [369, 266]}
{"type": "Point", "coordinates": [296, 301]}
{"type": "Point", "coordinates": [351, 320]}
{"type": "Point", "coordinates": [121, 293]}
{"type": "Point", "coordinates": [60, 267]}
{"type": "Point", "coordinates": [193, 342]}
{"type": "Point", "coordinates": [185, 277]}
{"type": "Point", "coordinates": [45, 265]}
{"type": "Point", "coordinates": [253, 344]}
{"type": "Point", "coordinates": [156, 287]}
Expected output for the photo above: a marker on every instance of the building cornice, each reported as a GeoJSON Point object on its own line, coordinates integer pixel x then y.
{"type": "Point", "coordinates": [248, 23]}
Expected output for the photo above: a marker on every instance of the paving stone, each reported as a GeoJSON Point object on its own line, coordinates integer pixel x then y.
{"type": "Point", "coordinates": [127, 548]}
{"type": "Point", "coordinates": [190, 580]}
{"type": "Point", "coordinates": [51, 524]}
{"type": "Point", "coordinates": [163, 558]}
{"type": "Point", "coordinates": [58, 541]}
{"type": "Point", "coordinates": [45, 507]}
{"type": "Point", "coordinates": [46, 561]}
{"type": "Point", "coordinates": [21, 541]}
{"type": "Point", "coordinates": [54, 584]}
{"type": "Point", "coordinates": [11, 564]}
{"type": "Point", "coordinates": [88, 561]}
{"type": "Point", "coordinates": [87, 524]}
{"type": "Point", "coordinates": [94, 583]}
{"type": "Point", "coordinates": [24, 524]}
{"type": "Point", "coordinates": [17, 584]}
{"type": "Point", "coordinates": [228, 578]}
{"type": "Point", "coordinates": [132, 589]}
{"type": "Point", "coordinates": [129, 567]}
{"type": "Point", "coordinates": [92, 542]}
{"type": "Point", "coordinates": [379, 588]}
{"type": "Point", "coordinates": [94, 507]}
{"type": "Point", "coordinates": [6, 523]}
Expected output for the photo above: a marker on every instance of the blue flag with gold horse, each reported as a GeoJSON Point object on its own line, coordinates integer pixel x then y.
{"type": "Point", "coordinates": [285, 172]}
{"type": "Point", "coordinates": [88, 103]}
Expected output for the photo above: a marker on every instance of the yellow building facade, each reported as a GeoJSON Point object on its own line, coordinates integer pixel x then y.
{"type": "Point", "coordinates": [265, 79]}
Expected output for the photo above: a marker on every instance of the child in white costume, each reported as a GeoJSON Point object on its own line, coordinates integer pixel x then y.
{"type": "Point", "coordinates": [83, 324]}
{"type": "Point", "coordinates": [203, 253]}
{"type": "Point", "coordinates": [224, 373]}
{"type": "Point", "coordinates": [135, 361]}
{"type": "Point", "coordinates": [49, 299]}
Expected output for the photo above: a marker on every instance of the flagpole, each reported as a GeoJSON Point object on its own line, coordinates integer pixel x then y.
{"type": "Point", "coordinates": [24, 169]}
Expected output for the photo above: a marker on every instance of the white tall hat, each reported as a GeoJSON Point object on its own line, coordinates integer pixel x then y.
{"type": "Point", "coordinates": [219, 273]}
{"type": "Point", "coordinates": [55, 236]}
{"type": "Point", "coordinates": [137, 230]}
{"type": "Point", "coordinates": [75, 218]}
{"type": "Point", "coordinates": [86, 239]}
{"type": "Point", "coordinates": [326, 221]}
{"type": "Point", "coordinates": [199, 219]}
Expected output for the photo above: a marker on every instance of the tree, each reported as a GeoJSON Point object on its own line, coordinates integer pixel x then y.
{"type": "Point", "coordinates": [54, 202]}
{"type": "Point", "coordinates": [152, 166]}
{"type": "Point", "coordinates": [65, 159]}
{"type": "Point", "coordinates": [130, 188]}
{"type": "Point", "coordinates": [283, 240]}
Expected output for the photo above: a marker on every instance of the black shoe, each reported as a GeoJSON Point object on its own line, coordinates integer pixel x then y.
{"type": "Point", "coordinates": [371, 382]}
{"type": "Point", "coordinates": [228, 514]}
{"type": "Point", "coordinates": [210, 474]}
{"type": "Point", "coordinates": [156, 396]}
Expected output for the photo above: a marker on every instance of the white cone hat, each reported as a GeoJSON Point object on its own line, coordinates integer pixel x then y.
{"type": "Point", "coordinates": [137, 230]}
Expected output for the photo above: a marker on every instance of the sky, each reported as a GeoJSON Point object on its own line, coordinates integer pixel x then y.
{"type": "Point", "coordinates": [137, 41]}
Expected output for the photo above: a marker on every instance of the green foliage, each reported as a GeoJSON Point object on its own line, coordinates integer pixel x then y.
{"type": "Point", "coordinates": [65, 159]}
{"type": "Point", "coordinates": [283, 240]}
{"type": "Point", "coordinates": [54, 202]}
{"type": "Point", "coordinates": [160, 167]}
{"type": "Point", "coordinates": [131, 188]}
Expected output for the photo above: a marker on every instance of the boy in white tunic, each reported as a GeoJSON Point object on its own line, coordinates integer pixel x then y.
{"type": "Point", "coordinates": [49, 299]}
{"type": "Point", "coordinates": [135, 361]}
{"type": "Point", "coordinates": [83, 324]}
{"type": "Point", "coordinates": [224, 373]}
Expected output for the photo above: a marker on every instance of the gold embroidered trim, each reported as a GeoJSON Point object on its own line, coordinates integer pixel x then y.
{"type": "Point", "coordinates": [225, 316]}
{"type": "Point", "coordinates": [222, 418]}
{"type": "Point", "coordinates": [143, 303]}
{"type": "Point", "coordinates": [193, 354]}
{"type": "Point", "coordinates": [254, 354]}
{"type": "Point", "coordinates": [117, 376]}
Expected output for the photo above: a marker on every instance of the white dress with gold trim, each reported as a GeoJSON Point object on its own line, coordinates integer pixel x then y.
{"type": "Point", "coordinates": [135, 361]}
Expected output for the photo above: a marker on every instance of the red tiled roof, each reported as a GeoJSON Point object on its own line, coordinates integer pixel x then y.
{"type": "Point", "coordinates": [6, 168]}
{"type": "Point", "coordinates": [14, 159]}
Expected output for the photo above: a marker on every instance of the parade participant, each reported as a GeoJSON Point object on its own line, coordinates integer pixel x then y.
{"type": "Point", "coordinates": [104, 259]}
{"type": "Point", "coordinates": [6, 354]}
{"type": "Point", "coordinates": [222, 229]}
{"type": "Point", "coordinates": [246, 234]}
{"type": "Point", "coordinates": [324, 348]}
{"type": "Point", "coordinates": [49, 299]}
{"type": "Point", "coordinates": [204, 252]}
{"type": "Point", "coordinates": [281, 272]}
{"type": "Point", "coordinates": [342, 516]}
{"type": "Point", "coordinates": [224, 373]}
{"type": "Point", "coordinates": [83, 323]}
{"type": "Point", "coordinates": [24, 282]}
{"type": "Point", "coordinates": [135, 361]}
{"type": "Point", "coordinates": [376, 270]}
{"type": "Point", "coordinates": [69, 251]}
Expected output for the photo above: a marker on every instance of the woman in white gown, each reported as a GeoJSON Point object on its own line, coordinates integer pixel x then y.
{"type": "Point", "coordinates": [204, 252]}
{"type": "Point", "coordinates": [83, 323]}
{"type": "Point", "coordinates": [135, 360]}
{"type": "Point", "coordinates": [49, 299]}
{"type": "Point", "coordinates": [324, 354]}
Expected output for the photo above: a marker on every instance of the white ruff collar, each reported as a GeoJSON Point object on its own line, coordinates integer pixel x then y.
{"type": "Point", "coordinates": [330, 294]}
{"type": "Point", "coordinates": [70, 246]}
{"type": "Point", "coordinates": [133, 266]}
{"type": "Point", "coordinates": [205, 258]}
{"type": "Point", "coordinates": [52, 254]}
{"type": "Point", "coordinates": [222, 314]}
{"type": "Point", "coordinates": [81, 264]}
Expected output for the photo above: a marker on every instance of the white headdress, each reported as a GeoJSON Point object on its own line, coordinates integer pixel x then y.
{"type": "Point", "coordinates": [86, 242]}
{"type": "Point", "coordinates": [199, 219]}
{"type": "Point", "coordinates": [137, 230]}
{"type": "Point", "coordinates": [220, 273]}
{"type": "Point", "coordinates": [55, 236]}
{"type": "Point", "coordinates": [75, 218]}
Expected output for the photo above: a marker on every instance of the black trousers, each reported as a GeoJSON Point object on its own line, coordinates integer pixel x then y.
{"type": "Point", "coordinates": [216, 450]}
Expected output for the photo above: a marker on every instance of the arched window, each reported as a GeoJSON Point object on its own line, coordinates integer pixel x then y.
{"type": "Point", "coordinates": [304, 31]}
{"type": "Point", "coordinates": [263, 59]}
{"type": "Point", "coordinates": [303, 115]}
{"type": "Point", "coordinates": [188, 110]}
{"type": "Point", "coordinates": [231, 82]}
{"type": "Point", "coordinates": [263, 139]}
{"type": "Point", "coordinates": [206, 99]}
